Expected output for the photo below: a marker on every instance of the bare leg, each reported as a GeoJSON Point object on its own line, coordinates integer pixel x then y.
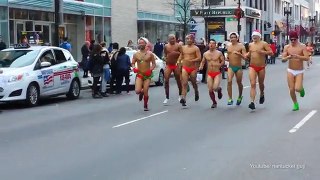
{"type": "Point", "coordinates": [291, 85]}
{"type": "Point", "coordinates": [239, 76]}
{"type": "Point", "coordinates": [230, 77]}
{"type": "Point", "coordinates": [177, 76]}
{"type": "Point", "coordinates": [146, 85]}
{"type": "Point", "coordinates": [167, 74]}
{"type": "Point", "coordinates": [210, 83]}
{"type": "Point", "coordinates": [252, 77]}
{"type": "Point", "coordinates": [261, 77]}
{"type": "Point", "coordinates": [138, 88]}
{"type": "Point", "coordinates": [193, 79]}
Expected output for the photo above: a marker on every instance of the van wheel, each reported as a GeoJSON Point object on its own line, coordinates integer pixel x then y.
{"type": "Point", "coordinates": [74, 90]}
{"type": "Point", "coordinates": [33, 94]}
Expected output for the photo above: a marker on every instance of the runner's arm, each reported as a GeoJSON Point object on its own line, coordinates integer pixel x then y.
{"type": "Point", "coordinates": [285, 54]}
{"type": "Point", "coordinates": [268, 50]}
{"type": "Point", "coordinates": [221, 60]}
{"type": "Point", "coordinates": [134, 60]}
{"type": "Point", "coordinates": [202, 62]}
{"type": "Point", "coordinates": [305, 56]}
{"type": "Point", "coordinates": [165, 53]}
{"type": "Point", "coordinates": [244, 52]}
{"type": "Point", "coordinates": [198, 55]}
{"type": "Point", "coordinates": [153, 62]}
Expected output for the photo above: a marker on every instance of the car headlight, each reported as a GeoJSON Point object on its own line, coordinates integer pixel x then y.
{"type": "Point", "coordinates": [15, 78]}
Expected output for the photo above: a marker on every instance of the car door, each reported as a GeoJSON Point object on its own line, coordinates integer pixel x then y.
{"type": "Point", "coordinates": [46, 75]}
{"type": "Point", "coordinates": [65, 71]}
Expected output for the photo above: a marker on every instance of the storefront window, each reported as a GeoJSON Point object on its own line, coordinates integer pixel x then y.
{"type": "Point", "coordinates": [107, 30]}
{"type": "Point", "coordinates": [3, 13]}
{"type": "Point", "coordinates": [20, 14]}
{"type": "Point", "coordinates": [89, 28]}
{"type": "Point", "coordinates": [98, 29]}
{"type": "Point", "coordinates": [29, 25]}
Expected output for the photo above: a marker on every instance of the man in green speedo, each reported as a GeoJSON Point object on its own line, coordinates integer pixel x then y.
{"type": "Point", "coordinates": [236, 52]}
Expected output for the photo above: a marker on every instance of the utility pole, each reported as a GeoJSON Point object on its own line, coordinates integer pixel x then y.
{"type": "Point", "coordinates": [287, 12]}
{"type": "Point", "coordinates": [239, 18]}
{"type": "Point", "coordinates": [56, 22]}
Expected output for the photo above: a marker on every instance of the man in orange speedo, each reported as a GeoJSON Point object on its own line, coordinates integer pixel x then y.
{"type": "Point", "coordinates": [190, 57]}
{"type": "Point", "coordinates": [172, 52]}
{"type": "Point", "coordinates": [143, 58]}
{"type": "Point", "coordinates": [258, 50]}
{"type": "Point", "coordinates": [215, 60]}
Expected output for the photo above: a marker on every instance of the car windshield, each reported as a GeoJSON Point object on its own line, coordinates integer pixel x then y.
{"type": "Point", "coordinates": [17, 58]}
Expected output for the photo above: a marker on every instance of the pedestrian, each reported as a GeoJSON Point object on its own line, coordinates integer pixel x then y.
{"type": "Point", "coordinates": [113, 66]}
{"type": "Point", "coordinates": [222, 49]}
{"type": "Point", "coordinates": [2, 44]}
{"type": "Point", "coordinates": [85, 56]}
{"type": "Point", "coordinates": [123, 65]}
{"type": "Point", "coordinates": [92, 42]}
{"type": "Point", "coordinates": [203, 48]}
{"type": "Point", "coordinates": [131, 44]}
{"type": "Point", "coordinates": [65, 45]}
{"type": "Point", "coordinates": [106, 70]}
{"type": "Point", "coordinates": [172, 51]}
{"type": "Point", "coordinates": [296, 53]}
{"type": "Point", "coordinates": [236, 52]}
{"type": "Point", "coordinates": [215, 59]}
{"type": "Point", "coordinates": [143, 58]}
{"type": "Point", "coordinates": [96, 62]}
{"type": "Point", "coordinates": [310, 50]}
{"type": "Point", "coordinates": [158, 48]}
{"type": "Point", "coordinates": [274, 52]}
{"type": "Point", "coordinates": [258, 50]}
{"type": "Point", "coordinates": [191, 56]}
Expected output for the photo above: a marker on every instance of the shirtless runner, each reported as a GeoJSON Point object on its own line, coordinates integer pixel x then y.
{"type": "Point", "coordinates": [236, 52]}
{"type": "Point", "coordinates": [143, 58]}
{"type": "Point", "coordinates": [190, 57]}
{"type": "Point", "coordinates": [258, 50]}
{"type": "Point", "coordinates": [172, 52]}
{"type": "Point", "coordinates": [296, 53]}
{"type": "Point", "coordinates": [214, 59]}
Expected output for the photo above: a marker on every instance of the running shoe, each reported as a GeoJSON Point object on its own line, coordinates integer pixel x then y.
{"type": "Point", "coordinates": [239, 100]}
{"type": "Point", "coordinates": [146, 108]}
{"type": "Point", "coordinates": [295, 107]}
{"type": "Point", "coordinates": [166, 101]}
{"type": "Point", "coordinates": [261, 100]}
{"type": "Point", "coordinates": [302, 92]}
{"type": "Point", "coordinates": [183, 102]}
{"type": "Point", "coordinates": [179, 99]}
{"type": "Point", "coordinates": [230, 102]}
{"type": "Point", "coordinates": [220, 93]}
{"type": "Point", "coordinates": [196, 96]}
{"type": "Point", "coordinates": [252, 106]}
{"type": "Point", "coordinates": [141, 96]}
{"type": "Point", "coordinates": [214, 105]}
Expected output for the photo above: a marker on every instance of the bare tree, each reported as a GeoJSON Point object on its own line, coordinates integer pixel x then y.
{"type": "Point", "coordinates": [182, 13]}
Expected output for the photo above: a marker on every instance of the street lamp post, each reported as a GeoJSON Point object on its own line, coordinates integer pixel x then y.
{"type": "Point", "coordinates": [56, 22]}
{"type": "Point", "coordinates": [287, 12]}
{"type": "Point", "coordinates": [312, 20]}
{"type": "Point", "coordinates": [239, 26]}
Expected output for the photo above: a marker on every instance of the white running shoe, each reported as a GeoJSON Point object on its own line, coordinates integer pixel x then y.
{"type": "Point", "coordinates": [165, 101]}
{"type": "Point", "coordinates": [179, 99]}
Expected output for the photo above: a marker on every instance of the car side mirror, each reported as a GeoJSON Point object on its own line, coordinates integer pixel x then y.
{"type": "Point", "coordinates": [45, 64]}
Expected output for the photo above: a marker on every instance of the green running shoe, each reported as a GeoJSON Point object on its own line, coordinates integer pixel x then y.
{"type": "Point", "coordinates": [239, 100]}
{"type": "Point", "coordinates": [295, 107]}
{"type": "Point", "coordinates": [302, 92]}
{"type": "Point", "coordinates": [230, 102]}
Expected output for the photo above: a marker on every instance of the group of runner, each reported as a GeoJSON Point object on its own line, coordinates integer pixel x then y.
{"type": "Point", "coordinates": [185, 61]}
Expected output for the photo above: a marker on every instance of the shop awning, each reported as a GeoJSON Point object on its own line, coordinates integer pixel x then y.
{"type": "Point", "coordinates": [32, 3]}
{"type": "Point", "coordinates": [79, 6]}
{"type": "Point", "coordinates": [69, 5]}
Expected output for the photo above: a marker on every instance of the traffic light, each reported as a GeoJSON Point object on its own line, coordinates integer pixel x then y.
{"type": "Point", "coordinates": [273, 33]}
{"type": "Point", "coordinates": [238, 13]}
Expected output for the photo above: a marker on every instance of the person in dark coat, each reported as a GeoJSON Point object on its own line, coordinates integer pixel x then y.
{"type": "Point", "coordinates": [85, 55]}
{"type": "Point", "coordinates": [158, 48]}
{"type": "Point", "coordinates": [96, 62]}
{"type": "Point", "coordinates": [123, 65]}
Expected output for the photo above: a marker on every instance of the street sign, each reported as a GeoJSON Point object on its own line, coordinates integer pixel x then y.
{"type": "Point", "coordinates": [231, 19]}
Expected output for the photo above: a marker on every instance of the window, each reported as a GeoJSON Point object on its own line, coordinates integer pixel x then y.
{"type": "Point", "coordinates": [17, 58]}
{"type": "Point", "coordinates": [215, 2]}
{"type": "Point", "coordinates": [265, 5]}
{"type": "Point", "coordinates": [48, 57]}
{"type": "Point", "coordinates": [60, 58]}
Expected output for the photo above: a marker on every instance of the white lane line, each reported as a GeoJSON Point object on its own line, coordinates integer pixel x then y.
{"type": "Point", "coordinates": [302, 122]}
{"type": "Point", "coordinates": [130, 122]}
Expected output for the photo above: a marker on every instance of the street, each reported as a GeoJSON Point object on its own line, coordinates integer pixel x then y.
{"type": "Point", "coordinates": [114, 139]}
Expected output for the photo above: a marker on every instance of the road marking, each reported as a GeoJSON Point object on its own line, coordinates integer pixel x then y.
{"type": "Point", "coordinates": [130, 122]}
{"type": "Point", "coordinates": [302, 122]}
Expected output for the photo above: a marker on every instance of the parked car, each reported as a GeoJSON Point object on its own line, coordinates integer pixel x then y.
{"type": "Point", "coordinates": [317, 48]}
{"type": "Point", "coordinates": [30, 73]}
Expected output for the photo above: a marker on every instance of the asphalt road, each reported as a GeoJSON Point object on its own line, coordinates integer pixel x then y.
{"type": "Point", "coordinates": [114, 139]}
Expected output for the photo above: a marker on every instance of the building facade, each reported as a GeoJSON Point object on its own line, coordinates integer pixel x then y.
{"type": "Point", "coordinates": [216, 18]}
{"type": "Point", "coordinates": [79, 21]}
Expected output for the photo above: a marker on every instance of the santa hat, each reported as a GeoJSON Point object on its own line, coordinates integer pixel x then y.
{"type": "Point", "coordinates": [235, 33]}
{"type": "Point", "coordinates": [256, 33]}
{"type": "Point", "coordinates": [144, 39]}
